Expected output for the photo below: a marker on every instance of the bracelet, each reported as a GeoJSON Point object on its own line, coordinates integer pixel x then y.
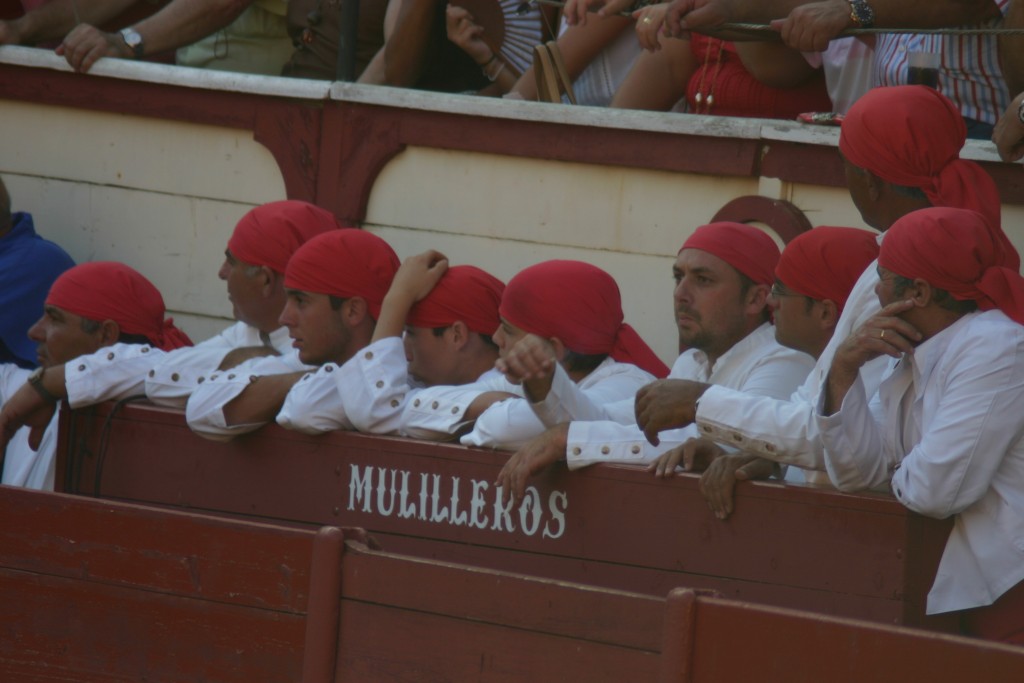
{"type": "Point", "coordinates": [494, 55]}
{"type": "Point", "coordinates": [496, 73]}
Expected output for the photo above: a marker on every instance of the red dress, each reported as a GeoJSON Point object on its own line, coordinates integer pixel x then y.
{"type": "Point", "coordinates": [722, 85]}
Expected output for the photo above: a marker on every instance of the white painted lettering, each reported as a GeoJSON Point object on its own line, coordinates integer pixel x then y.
{"type": "Point", "coordinates": [530, 512]}
{"type": "Point", "coordinates": [423, 496]}
{"type": "Point", "coordinates": [458, 516]}
{"type": "Point", "coordinates": [501, 513]}
{"type": "Point", "coordinates": [382, 489]}
{"type": "Point", "coordinates": [435, 514]}
{"type": "Point", "coordinates": [558, 503]}
{"type": "Point", "coordinates": [359, 487]}
{"type": "Point", "coordinates": [406, 510]}
{"type": "Point", "coordinates": [476, 505]}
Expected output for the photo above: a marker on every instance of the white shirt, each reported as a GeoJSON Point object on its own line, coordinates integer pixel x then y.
{"type": "Point", "coordinates": [167, 378]}
{"type": "Point", "coordinates": [756, 364]}
{"type": "Point", "coordinates": [205, 409]}
{"type": "Point", "coordinates": [786, 431]}
{"type": "Point", "coordinates": [24, 466]}
{"type": "Point", "coordinates": [439, 412]}
{"type": "Point", "coordinates": [946, 425]}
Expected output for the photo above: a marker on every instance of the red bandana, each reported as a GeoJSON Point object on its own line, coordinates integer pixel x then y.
{"type": "Point", "coordinates": [959, 251]}
{"type": "Point", "coordinates": [344, 263]}
{"type": "Point", "coordinates": [464, 293]}
{"type": "Point", "coordinates": [105, 290]}
{"type": "Point", "coordinates": [744, 247]}
{"type": "Point", "coordinates": [269, 234]}
{"type": "Point", "coordinates": [826, 262]}
{"type": "Point", "coordinates": [911, 135]}
{"type": "Point", "coordinates": [579, 304]}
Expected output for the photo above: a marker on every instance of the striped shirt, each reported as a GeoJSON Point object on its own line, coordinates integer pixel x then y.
{"type": "Point", "coordinates": [969, 74]}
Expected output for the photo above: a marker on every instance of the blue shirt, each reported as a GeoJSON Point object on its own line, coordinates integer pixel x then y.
{"type": "Point", "coordinates": [28, 266]}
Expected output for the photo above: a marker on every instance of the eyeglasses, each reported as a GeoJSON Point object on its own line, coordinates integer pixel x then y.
{"type": "Point", "coordinates": [778, 291]}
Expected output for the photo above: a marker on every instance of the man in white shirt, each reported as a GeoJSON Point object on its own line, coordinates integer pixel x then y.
{"type": "Point", "coordinates": [575, 308]}
{"type": "Point", "coordinates": [813, 280]}
{"type": "Point", "coordinates": [723, 275]}
{"type": "Point", "coordinates": [90, 307]}
{"type": "Point", "coordinates": [253, 270]}
{"type": "Point", "coordinates": [945, 428]}
{"type": "Point", "coordinates": [335, 284]}
{"type": "Point", "coordinates": [447, 316]}
{"type": "Point", "coordinates": [900, 148]}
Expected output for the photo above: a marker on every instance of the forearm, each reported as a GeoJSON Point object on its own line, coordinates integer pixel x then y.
{"type": "Point", "coordinates": [183, 22]}
{"type": "Point", "coordinates": [261, 400]}
{"type": "Point", "coordinates": [889, 13]}
{"type": "Point", "coordinates": [1011, 48]}
{"type": "Point", "coordinates": [53, 20]}
{"type": "Point", "coordinates": [774, 64]}
{"type": "Point", "coordinates": [405, 47]}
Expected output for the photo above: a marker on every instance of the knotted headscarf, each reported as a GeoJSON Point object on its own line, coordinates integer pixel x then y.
{"type": "Point", "coordinates": [579, 304]}
{"type": "Point", "coordinates": [911, 135]}
{"type": "Point", "coordinates": [344, 263]}
{"type": "Point", "coordinates": [825, 263]}
{"type": "Point", "coordinates": [959, 251]}
{"type": "Point", "coordinates": [464, 293]}
{"type": "Point", "coordinates": [269, 234]}
{"type": "Point", "coordinates": [106, 290]}
{"type": "Point", "coordinates": [744, 247]}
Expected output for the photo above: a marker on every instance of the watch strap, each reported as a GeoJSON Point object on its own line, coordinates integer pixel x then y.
{"type": "Point", "coordinates": [35, 380]}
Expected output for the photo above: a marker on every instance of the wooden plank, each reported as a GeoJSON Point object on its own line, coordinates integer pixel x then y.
{"type": "Point", "coordinates": [56, 628]}
{"type": "Point", "coordinates": [742, 642]}
{"type": "Point", "coordinates": [503, 598]}
{"type": "Point", "coordinates": [172, 552]}
{"type": "Point", "coordinates": [389, 644]}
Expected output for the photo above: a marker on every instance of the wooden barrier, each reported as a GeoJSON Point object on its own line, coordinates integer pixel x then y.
{"type": "Point", "coordinates": [104, 591]}
{"type": "Point", "coordinates": [862, 556]}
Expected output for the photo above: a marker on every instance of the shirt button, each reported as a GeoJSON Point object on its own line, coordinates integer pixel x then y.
{"type": "Point", "coordinates": [253, 378]}
{"type": "Point", "coordinates": [110, 356]}
{"type": "Point", "coordinates": [434, 405]}
{"type": "Point", "coordinates": [231, 376]}
{"type": "Point", "coordinates": [416, 403]}
{"type": "Point", "coordinates": [575, 450]}
{"type": "Point", "coordinates": [368, 355]}
{"type": "Point", "coordinates": [145, 349]}
{"type": "Point", "coordinates": [200, 380]}
{"type": "Point", "coordinates": [152, 373]}
{"type": "Point", "coordinates": [329, 368]}
{"type": "Point", "coordinates": [380, 384]}
{"type": "Point", "coordinates": [455, 410]}
{"type": "Point", "coordinates": [81, 368]}
{"type": "Point", "coordinates": [394, 403]}
{"type": "Point", "coordinates": [605, 450]}
{"type": "Point", "coordinates": [175, 377]}
{"type": "Point", "coordinates": [634, 450]}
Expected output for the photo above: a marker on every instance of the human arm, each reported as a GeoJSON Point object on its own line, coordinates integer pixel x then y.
{"type": "Point", "coordinates": [313, 404]}
{"type": "Point", "coordinates": [658, 79]}
{"type": "Point", "coordinates": [413, 281]}
{"type": "Point", "coordinates": [53, 20]}
{"type": "Point", "coordinates": [468, 36]}
{"type": "Point", "coordinates": [1011, 48]}
{"type": "Point", "coordinates": [1009, 131]}
{"type": "Point", "coordinates": [243, 399]}
{"type": "Point", "coordinates": [541, 451]}
{"type": "Point", "coordinates": [405, 44]}
{"type": "Point", "coordinates": [180, 23]}
{"type": "Point", "coordinates": [774, 64]}
{"type": "Point", "coordinates": [579, 46]}
{"type": "Point", "coordinates": [373, 387]}
{"type": "Point", "coordinates": [440, 413]}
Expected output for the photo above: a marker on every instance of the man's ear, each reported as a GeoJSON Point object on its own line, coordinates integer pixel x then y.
{"type": "Point", "coordinates": [874, 185]}
{"type": "Point", "coordinates": [828, 313]}
{"type": "Point", "coordinates": [354, 311]}
{"type": "Point", "coordinates": [559, 348]}
{"type": "Point", "coordinates": [271, 282]}
{"type": "Point", "coordinates": [459, 334]}
{"type": "Point", "coordinates": [109, 333]}
{"type": "Point", "coordinates": [920, 292]}
{"type": "Point", "coordinates": [757, 298]}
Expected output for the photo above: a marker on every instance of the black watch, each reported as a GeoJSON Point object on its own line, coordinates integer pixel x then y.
{"type": "Point", "coordinates": [35, 380]}
{"type": "Point", "coordinates": [861, 14]}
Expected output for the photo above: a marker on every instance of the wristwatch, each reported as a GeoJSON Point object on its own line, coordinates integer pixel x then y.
{"type": "Point", "coordinates": [133, 40]}
{"type": "Point", "coordinates": [35, 380]}
{"type": "Point", "coordinates": [861, 14]}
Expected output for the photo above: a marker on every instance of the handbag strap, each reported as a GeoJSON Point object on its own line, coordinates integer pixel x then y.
{"type": "Point", "coordinates": [565, 83]}
{"type": "Point", "coordinates": [545, 75]}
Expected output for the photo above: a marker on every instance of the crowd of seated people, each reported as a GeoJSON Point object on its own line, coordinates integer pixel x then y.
{"type": "Point", "coordinates": [647, 58]}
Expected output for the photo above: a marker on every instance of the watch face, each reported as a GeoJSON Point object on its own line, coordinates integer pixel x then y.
{"type": "Point", "coordinates": [131, 37]}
